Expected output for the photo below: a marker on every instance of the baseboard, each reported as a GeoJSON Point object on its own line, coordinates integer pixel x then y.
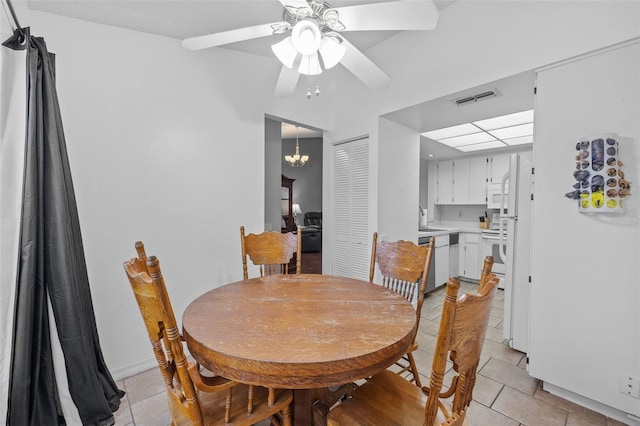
{"type": "Point", "coordinates": [606, 410]}
{"type": "Point", "coordinates": [133, 369]}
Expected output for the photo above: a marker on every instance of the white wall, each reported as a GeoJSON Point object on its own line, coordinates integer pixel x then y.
{"type": "Point", "coordinates": [398, 182]}
{"type": "Point", "coordinates": [585, 304]}
{"type": "Point", "coordinates": [476, 42]}
{"type": "Point", "coordinates": [273, 176]}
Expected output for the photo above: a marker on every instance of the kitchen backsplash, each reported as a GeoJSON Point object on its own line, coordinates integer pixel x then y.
{"type": "Point", "coordinates": [461, 213]}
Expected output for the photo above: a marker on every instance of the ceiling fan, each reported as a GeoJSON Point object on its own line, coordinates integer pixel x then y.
{"type": "Point", "coordinates": [316, 41]}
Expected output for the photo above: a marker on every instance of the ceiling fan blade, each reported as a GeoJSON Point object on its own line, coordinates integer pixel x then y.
{"type": "Point", "coordinates": [226, 37]}
{"type": "Point", "coordinates": [287, 82]}
{"type": "Point", "coordinates": [390, 16]}
{"type": "Point", "coordinates": [364, 68]}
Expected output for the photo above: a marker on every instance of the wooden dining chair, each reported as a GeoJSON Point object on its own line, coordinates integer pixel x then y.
{"type": "Point", "coordinates": [271, 251]}
{"type": "Point", "coordinates": [387, 399]}
{"type": "Point", "coordinates": [195, 398]}
{"type": "Point", "coordinates": [404, 267]}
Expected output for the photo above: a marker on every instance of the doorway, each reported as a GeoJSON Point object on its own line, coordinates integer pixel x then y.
{"type": "Point", "coordinates": [305, 206]}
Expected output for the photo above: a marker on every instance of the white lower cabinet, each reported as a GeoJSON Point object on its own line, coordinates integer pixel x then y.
{"type": "Point", "coordinates": [441, 263]}
{"type": "Point", "coordinates": [469, 255]}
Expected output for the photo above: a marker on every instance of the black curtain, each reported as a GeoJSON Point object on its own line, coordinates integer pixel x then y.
{"type": "Point", "coordinates": [52, 267]}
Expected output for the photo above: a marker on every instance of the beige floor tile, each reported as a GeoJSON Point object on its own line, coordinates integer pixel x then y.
{"type": "Point", "coordinates": [497, 311]}
{"type": "Point", "coordinates": [494, 321]}
{"type": "Point", "coordinates": [578, 420]}
{"type": "Point", "coordinates": [152, 411]}
{"type": "Point", "coordinates": [486, 390]}
{"type": "Point", "coordinates": [429, 327]}
{"type": "Point", "coordinates": [432, 314]}
{"type": "Point", "coordinates": [423, 359]}
{"type": "Point", "coordinates": [143, 385]}
{"type": "Point", "coordinates": [612, 422]}
{"type": "Point", "coordinates": [123, 416]}
{"type": "Point", "coordinates": [510, 375]}
{"type": "Point", "coordinates": [578, 412]}
{"type": "Point", "coordinates": [502, 352]}
{"type": "Point", "coordinates": [527, 409]}
{"type": "Point", "coordinates": [523, 363]}
{"type": "Point", "coordinates": [495, 335]}
{"type": "Point", "coordinates": [426, 342]}
{"type": "Point", "coordinates": [480, 415]}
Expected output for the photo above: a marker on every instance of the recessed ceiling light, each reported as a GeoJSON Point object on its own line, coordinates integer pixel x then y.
{"type": "Point", "coordinates": [506, 120]}
{"type": "Point", "coordinates": [513, 131]}
{"type": "Point", "coordinates": [449, 132]}
{"type": "Point", "coordinates": [496, 132]}
{"type": "Point", "coordinates": [430, 155]}
{"type": "Point", "coordinates": [468, 139]}
{"type": "Point", "coordinates": [518, 141]}
{"type": "Point", "coordinates": [481, 146]}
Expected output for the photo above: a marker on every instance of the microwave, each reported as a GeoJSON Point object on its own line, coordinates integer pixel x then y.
{"type": "Point", "coordinates": [493, 195]}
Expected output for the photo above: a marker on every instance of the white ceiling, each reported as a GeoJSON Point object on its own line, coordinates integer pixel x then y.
{"type": "Point", "coordinates": [181, 19]}
{"type": "Point", "coordinates": [289, 132]}
{"type": "Point", "coordinates": [516, 94]}
{"type": "Point", "coordinates": [187, 18]}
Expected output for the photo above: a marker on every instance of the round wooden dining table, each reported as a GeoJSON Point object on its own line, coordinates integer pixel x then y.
{"type": "Point", "coordinates": [301, 332]}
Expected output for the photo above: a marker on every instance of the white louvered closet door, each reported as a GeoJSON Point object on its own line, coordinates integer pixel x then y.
{"type": "Point", "coordinates": [350, 210]}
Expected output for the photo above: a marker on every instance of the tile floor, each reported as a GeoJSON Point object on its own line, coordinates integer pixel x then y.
{"type": "Point", "coordinates": [504, 394]}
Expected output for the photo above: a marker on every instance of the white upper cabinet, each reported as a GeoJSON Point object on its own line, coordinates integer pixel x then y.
{"type": "Point", "coordinates": [444, 189]}
{"type": "Point", "coordinates": [478, 180]}
{"type": "Point", "coordinates": [499, 165]}
{"type": "Point", "coordinates": [462, 181]}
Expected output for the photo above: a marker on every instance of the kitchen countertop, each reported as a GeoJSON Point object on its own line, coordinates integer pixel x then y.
{"type": "Point", "coordinates": [445, 228]}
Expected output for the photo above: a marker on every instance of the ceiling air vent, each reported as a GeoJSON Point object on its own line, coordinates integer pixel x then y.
{"type": "Point", "coordinates": [475, 98]}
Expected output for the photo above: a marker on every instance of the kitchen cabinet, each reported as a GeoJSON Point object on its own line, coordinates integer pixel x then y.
{"type": "Point", "coordinates": [441, 263]}
{"type": "Point", "coordinates": [462, 181]}
{"type": "Point", "coordinates": [499, 165]}
{"type": "Point", "coordinates": [444, 188]}
{"type": "Point", "coordinates": [478, 180]}
{"type": "Point", "coordinates": [469, 255]}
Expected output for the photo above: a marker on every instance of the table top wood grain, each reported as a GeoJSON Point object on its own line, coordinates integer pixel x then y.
{"type": "Point", "coordinates": [298, 331]}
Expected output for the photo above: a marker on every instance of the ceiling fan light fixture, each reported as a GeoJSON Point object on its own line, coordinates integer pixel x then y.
{"type": "Point", "coordinates": [332, 51]}
{"type": "Point", "coordinates": [285, 52]}
{"type": "Point", "coordinates": [332, 20]}
{"type": "Point", "coordinates": [306, 37]}
{"type": "Point", "coordinates": [310, 65]}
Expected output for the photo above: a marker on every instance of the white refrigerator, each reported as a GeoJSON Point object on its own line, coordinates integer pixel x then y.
{"type": "Point", "coordinates": [515, 248]}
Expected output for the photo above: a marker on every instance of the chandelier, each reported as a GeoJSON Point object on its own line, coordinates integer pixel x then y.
{"type": "Point", "coordinates": [296, 160]}
{"type": "Point", "coordinates": [313, 29]}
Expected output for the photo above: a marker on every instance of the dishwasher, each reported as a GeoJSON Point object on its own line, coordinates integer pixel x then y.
{"type": "Point", "coordinates": [439, 269]}
{"type": "Point", "coordinates": [431, 278]}
{"type": "Point", "coordinates": [453, 254]}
